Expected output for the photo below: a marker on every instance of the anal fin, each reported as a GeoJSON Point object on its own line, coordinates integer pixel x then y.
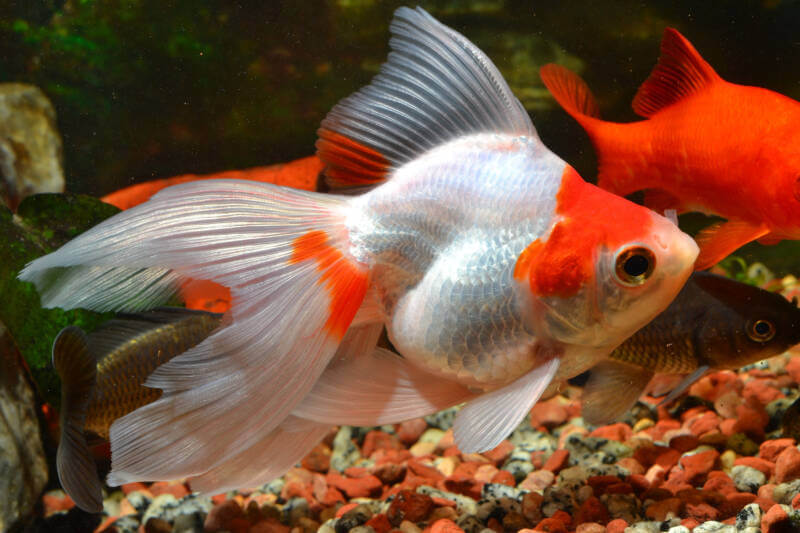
{"type": "Point", "coordinates": [377, 388]}
{"type": "Point", "coordinates": [718, 240]}
{"type": "Point", "coordinates": [612, 389]}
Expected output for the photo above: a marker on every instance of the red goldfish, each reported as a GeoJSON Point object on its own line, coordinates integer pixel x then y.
{"type": "Point", "coordinates": [493, 267]}
{"type": "Point", "coordinates": [707, 145]}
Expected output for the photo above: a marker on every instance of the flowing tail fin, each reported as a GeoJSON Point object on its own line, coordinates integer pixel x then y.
{"type": "Point", "coordinates": [295, 288]}
{"type": "Point", "coordinates": [77, 368]}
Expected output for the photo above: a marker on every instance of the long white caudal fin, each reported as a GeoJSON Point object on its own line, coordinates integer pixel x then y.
{"type": "Point", "coordinates": [267, 459]}
{"type": "Point", "coordinates": [436, 86]}
{"type": "Point", "coordinates": [485, 421]}
{"type": "Point", "coordinates": [294, 287]}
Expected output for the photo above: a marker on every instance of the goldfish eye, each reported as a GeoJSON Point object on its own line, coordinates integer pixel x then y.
{"type": "Point", "coordinates": [634, 265]}
{"type": "Point", "coordinates": [761, 330]}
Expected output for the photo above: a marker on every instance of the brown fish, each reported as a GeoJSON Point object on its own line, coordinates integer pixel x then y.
{"type": "Point", "coordinates": [790, 422]}
{"type": "Point", "coordinates": [714, 323]}
{"type": "Point", "coordinates": [102, 377]}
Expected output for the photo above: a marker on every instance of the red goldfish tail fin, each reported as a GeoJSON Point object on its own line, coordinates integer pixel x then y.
{"type": "Point", "coordinates": [295, 289]}
{"type": "Point", "coordinates": [679, 73]}
{"type": "Point", "coordinates": [77, 368]}
{"type": "Point", "coordinates": [571, 92]}
{"type": "Point", "coordinates": [435, 87]}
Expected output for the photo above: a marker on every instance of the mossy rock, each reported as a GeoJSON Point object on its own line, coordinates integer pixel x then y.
{"type": "Point", "coordinates": [43, 223]}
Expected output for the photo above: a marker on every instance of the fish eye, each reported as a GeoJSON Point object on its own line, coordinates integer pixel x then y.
{"type": "Point", "coordinates": [634, 265]}
{"type": "Point", "coordinates": [761, 330]}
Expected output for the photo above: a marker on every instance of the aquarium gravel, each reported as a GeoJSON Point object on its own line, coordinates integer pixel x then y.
{"type": "Point", "coordinates": [714, 461]}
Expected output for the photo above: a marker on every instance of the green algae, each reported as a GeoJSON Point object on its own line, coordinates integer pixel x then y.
{"type": "Point", "coordinates": [42, 224]}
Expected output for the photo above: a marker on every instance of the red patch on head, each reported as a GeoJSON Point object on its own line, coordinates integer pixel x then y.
{"type": "Point", "coordinates": [345, 280]}
{"type": "Point", "coordinates": [589, 218]}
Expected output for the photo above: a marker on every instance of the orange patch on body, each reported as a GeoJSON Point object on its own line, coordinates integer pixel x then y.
{"type": "Point", "coordinates": [345, 280]}
{"type": "Point", "coordinates": [588, 218]}
{"type": "Point", "coordinates": [206, 295]}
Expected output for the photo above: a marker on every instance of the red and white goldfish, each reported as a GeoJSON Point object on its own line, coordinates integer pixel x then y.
{"type": "Point", "coordinates": [490, 263]}
{"type": "Point", "coordinates": [707, 145]}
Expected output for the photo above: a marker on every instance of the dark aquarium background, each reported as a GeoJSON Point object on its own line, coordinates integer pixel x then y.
{"type": "Point", "coordinates": [147, 89]}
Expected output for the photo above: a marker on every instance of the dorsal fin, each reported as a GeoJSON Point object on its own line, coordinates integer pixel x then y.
{"type": "Point", "coordinates": [435, 86]}
{"type": "Point", "coordinates": [679, 73]}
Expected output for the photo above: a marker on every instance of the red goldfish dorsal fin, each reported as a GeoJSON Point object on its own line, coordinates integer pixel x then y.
{"type": "Point", "coordinates": [719, 240]}
{"type": "Point", "coordinates": [570, 91]}
{"type": "Point", "coordinates": [435, 87]}
{"type": "Point", "coordinates": [679, 73]}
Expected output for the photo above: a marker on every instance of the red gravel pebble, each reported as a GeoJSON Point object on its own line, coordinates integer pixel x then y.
{"type": "Point", "coordinates": [619, 431]}
{"type": "Point", "coordinates": [319, 459]}
{"type": "Point", "coordinates": [178, 490]}
{"type": "Point", "coordinates": [776, 520]}
{"type": "Point", "coordinates": [592, 510]}
{"type": "Point", "coordinates": [702, 512]}
{"type": "Point", "coordinates": [551, 525]}
{"type": "Point", "coordinates": [668, 458]}
{"type": "Point", "coordinates": [661, 510]}
{"type": "Point", "coordinates": [504, 477]}
{"type": "Point", "coordinates": [499, 453]}
{"type": "Point", "coordinates": [787, 466]}
{"type": "Point", "coordinates": [751, 420]}
{"type": "Point", "coordinates": [617, 525]}
{"type": "Point", "coordinates": [410, 431]}
{"type": "Point", "coordinates": [698, 465]}
{"type": "Point", "coordinates": [557, 461]}
{"type": "Point", "coordinates": [127, 488]}
{"type": "Point", "coordinates": [221, 516]}
{"type": "Point", "coordinates": [762, 465]}
{"type": "Point", "coordinates": [380, 523]}
{"type": "Point", "coordinates": [445, 525]}
{"type": "Point", "coordinates": [549, 413]}
{"type": "Point", "coordinates": [771, 449]}
{"type": "Point", "coordinates": [362, 487]}
{"type": "Point", "coordinates": [719, 482]}
{"type": "Point", "coordinates": [376, 439]}
{"type": "Point", "coordinates": [690, 523]}
{"type": "Point", "coordinates": [684, 443]}
{"type": "Point", "coordinates": [704, 423]}
{"type": "Point", "coordinates": [411, 506]}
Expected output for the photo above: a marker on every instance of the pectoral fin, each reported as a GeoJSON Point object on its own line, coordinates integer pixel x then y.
{"type": "Point", "coordinates": [488, 419]}
{"type": "Point", "coordinates": [719, 240]}
{"type": "Point", "coordinates": [684, 385]}
{"type": "Point", "coordinates": [612, 389]}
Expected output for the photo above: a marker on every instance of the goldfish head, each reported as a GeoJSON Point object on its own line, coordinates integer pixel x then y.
{"type": "Point", "coordinates": [606, 268]}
